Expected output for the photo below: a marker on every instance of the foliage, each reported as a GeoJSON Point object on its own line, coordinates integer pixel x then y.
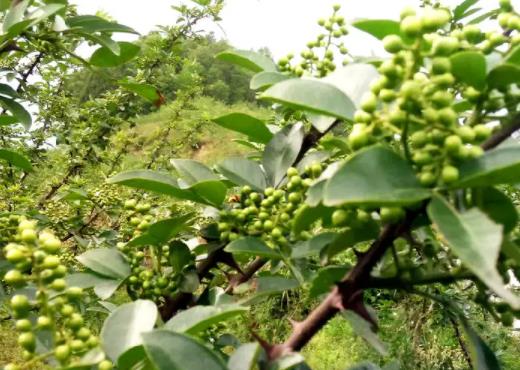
{"type": "Point", "coordinates": [379, 186]}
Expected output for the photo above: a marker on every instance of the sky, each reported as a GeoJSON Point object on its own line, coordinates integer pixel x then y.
{"type": "Point", "coordinates": [281, 25]}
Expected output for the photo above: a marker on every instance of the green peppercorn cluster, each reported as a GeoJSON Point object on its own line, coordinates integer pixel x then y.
{"type": "Point", "coordinates": [105, 196]}
{"type": "Point", "coordinates": [35, 261]}
{"type": "Point", "coordinates": [417, 106]}
{"type": "Point", "coordinates": [149, 279]}
{"type": "Point", "coordinates": [268, 215]}
{"type": "Point", "coordinates": [318, 58]}
{"type": "Point", "coordinates": [8, 227]}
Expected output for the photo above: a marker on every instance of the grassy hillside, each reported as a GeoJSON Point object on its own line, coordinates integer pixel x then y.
{"type": "Point", "coordinates": [193, 135]}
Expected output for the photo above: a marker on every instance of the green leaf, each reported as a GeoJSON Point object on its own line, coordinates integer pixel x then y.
{"type": "Point", "coordinates": [18, 110]}
{"type": "Point", "coordinates": [314, 96]}
{"type": "Point", "coordinates": [123, 328]}
{"type": "Point", "coordinates": [207, 192]}
{"type": "Point", "coordinates": [504, 75]}
{"type": "Point", "coordinates": [313, 246]}
{"type": "Point", "coordinates": [497, 166]}
{"type": "Point", "coordinates": [174, 351]}
{"type": "Point", "coordinates": [8, 91]}
{"type": "Point", "coordinates": [16, 159]}
{"type": "Point", "coordinates": [105, 58]}
{"type": "Point", "coordinates": [146, 91]}
{"type": "Point", "coordinates": [92, 24]}
{"type": "Point", "coordinates": [481, 355]}
{"type": "Point", "coordinates": [88, 360]}
{"type": "Point", "coordinates": [162, 231]}
{"type": "Point", "coordinates": [6, 120]}
{"type": "Point", "coordinates": [281, 152]}
{"type": "Point", "coordinates": [251, 246]}
{"type": "Point", "coordinates": [242, 172]}
{"type": "Point", "coordinates": [498, 207]}
{"type": "Point", "coordinates": [263, 80]}
{"type": "Point", "coordinates": [306, 216]}
{"type": "Point", "coordinates": [275, 284]}
{"type": "Point", "coordinates": [192, 172]}
{"type": "Point", "coordinates": [103, 40]}
{"type": "Point", "coordinates": [354, 80]}
{"type": "Point", "coordinates": [469, 67]}
{"type": "Point", "coordinates": [245, 357]}
{"type": "Point", "coordinates": [104, 287]}
{"type": "Point", "coordinates": [352, 236]}
{"type": "Point", "coordinates": [364, 329]}
{"type": "Point", "coordinates": [133, 359]}
{"type": "Point", "coordinates": [190, 282]}
{"type": "Point", "coordinates": [354, 184]}
{"type": "Point", "coordinates": [326, 278]}
{"type": "Point", "coordinates": [475, 239]}
{"type": "Point", "coordinates": [460, 9]}
{"type": "Point", "coordinates": [513, 57]}
{"type": "Point", "coordinates": [106, 261]}
{"type": "Point", "coordinates": [200, 318]}
{"type": "Point", "coordinates": [180, 256]}
{"type": "Point", "coordinates": [245, 124]}
{"type": "Point", "coordinates": [251, 60]}
{"type": "Point", "coordinates": [379, 28]}
{"type": "Point", "coordinates": [15, 15]}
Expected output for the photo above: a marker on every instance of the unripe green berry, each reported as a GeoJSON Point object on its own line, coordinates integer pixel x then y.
{"type": "Point", "coordinates": [441, 65]}
{"type": "Point", "coordinates": [58, 285]}
{"type": "Point", "coordinates": [44, 322]}
{"type": "Point", "coordinates": [453, 144]}
{"type": "Point", "coordinates": [369, 103]}
{"type": "Point", "coordinates": [434, 19]}
{"type": "Point", "coordinates": [51, 262]}
{"type": "Point", "coordinates": [268, 225]}
{"type": "Point", "coordinates": [482, 132]}
{"type": "Point", "coordinates": [419, 139]}
{"type": "Point", "coordinates": [449, 174]}
{"type": "Point", "coordinates": [445, 45]}
{"type": "Point", "coordinates": [466, 133]}
{"type": "Point", "coordinates": [62, 353]}
{"type": "Point", "coordinates": [340, 217]}
{"type": "Point", "coordinates": [391, 214]}
{"type": "Point", "coordinates": [23, 325]}
{"type": "Point", "coordinates": [105, 365]}
{"type": "Point", "coordinates": [15, 255]}
{"type": "Point", "coordinates": [28, 235]}
{"type": "Point", "coordinates": [27, 341]}
{"type": "Point", "coordinates": [51, 245]}
{"type": "Point", "coordinates": [14, 278]}
{"type": "Point", "coordinates": [393, 44]}
{"type": "Point", "coordinates": [411, 26]}
{"type": "Point", "coordinates": [130, 204]}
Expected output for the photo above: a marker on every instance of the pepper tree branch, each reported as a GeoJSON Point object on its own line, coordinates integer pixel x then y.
{"type": "Point", "coordinates": [182, 300]}
{"type": "Point", "coordinates": [348, 294]}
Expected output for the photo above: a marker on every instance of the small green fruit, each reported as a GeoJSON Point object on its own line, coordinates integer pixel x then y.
{"type": "Point", "coordinates": [393, 44]}
{"type": "Point", "coordinates": [62, 353]}
{"type": "Point", "coordinates": [105, 365]}
{"type": "Point", "coordinates": [453, 144]}
{"type": "Point", "coordinates": [340, 217]}
{"type": "Point", "coordinates": [450, 174]}
{"type": "Point", "coordinates": [411, 26]}
{"type": "Point", "coordinates": [27, 341]}
{"type": "Point", "coordinates": [391, 214]}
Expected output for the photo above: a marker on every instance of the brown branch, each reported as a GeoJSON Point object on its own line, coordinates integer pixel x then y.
{"type": "Point", "coordinates": [248, 273]}
{"type": "Point", "coordinates": [503, 134]}
{"type": "Point", "coordinates": [348, 293]}
{"type": "Point", "coordinates": [461, 342]}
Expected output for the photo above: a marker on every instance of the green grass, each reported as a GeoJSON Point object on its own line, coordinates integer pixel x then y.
{"type": "Point", "coordinates": [193, 135]}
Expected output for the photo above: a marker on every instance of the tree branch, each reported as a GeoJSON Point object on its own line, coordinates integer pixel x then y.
{"type": "Point", "coordinates": [348, 294]}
